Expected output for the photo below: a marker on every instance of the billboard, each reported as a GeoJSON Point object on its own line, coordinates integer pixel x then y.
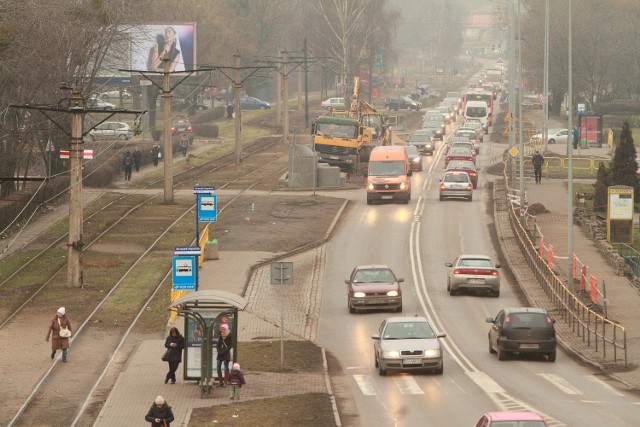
{"type": "Point", "coordinates": [149, 43]}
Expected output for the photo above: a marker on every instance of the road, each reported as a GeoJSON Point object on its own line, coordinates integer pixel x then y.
{"type": "Point", "coordinates": [416, 240]}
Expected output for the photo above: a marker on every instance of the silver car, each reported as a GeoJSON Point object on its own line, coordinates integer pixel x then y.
{"type": "Point", "coordinates": [407, 344]}
{"type": "Point", "coordinates": [456, 184]}
{"type": "Point", "coordinates": [111, 130]}
{"type": "Point", "coordinates": [474, 273]}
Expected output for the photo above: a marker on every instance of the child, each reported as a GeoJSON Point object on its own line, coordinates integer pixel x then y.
{"type": "Point", "coordinates": [236, 381]}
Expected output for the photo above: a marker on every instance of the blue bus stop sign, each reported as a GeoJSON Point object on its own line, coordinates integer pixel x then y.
{"type": "Point", "coordinates": [207, 207]}
{"type": "Point", "coordinates": [184, 273]}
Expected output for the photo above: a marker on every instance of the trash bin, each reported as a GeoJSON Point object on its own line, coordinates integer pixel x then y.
{"type": "Point", "coordinates": [211, 250]}
{"type": "Point", "coordinates": [584, 143]}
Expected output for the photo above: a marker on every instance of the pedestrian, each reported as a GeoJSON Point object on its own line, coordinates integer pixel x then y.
{"type": "Point", "coordinates": [137, 158]}
{"type": "Point", "coordinates": [155, 153]}
{"type": "Point", "coordinates": [59, 327]}
{"type": "Point", "coordinates": [184, 143]}
{"type": "Point", "coordinates": [127, 165]}
{"type": "Point", "coordinates": [174, 344]}
{"type": "Point", "coordinates": [537, 161]}
{"type": "Point", "coordinates": [229, 111]}
{"type": "Point", "coordinates": [236, 381]}
{"type": "Point", "coordinates": [224, 345]}
{"type": "Point", "coordinates": [574, 137]}
{"type": "Point", "coordinates": [160, 413]}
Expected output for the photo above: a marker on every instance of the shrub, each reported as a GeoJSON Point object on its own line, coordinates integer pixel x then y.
{"type": "Point", "coordinates": [206, 129]}
{"type": "Point", "coordinates": [156, 134]}
{"type": "Point", "coordinates": [216, 113]}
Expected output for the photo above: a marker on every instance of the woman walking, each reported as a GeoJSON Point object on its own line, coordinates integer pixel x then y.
{"type": "Point", "coordinates": [174, 344]}
{"type": "Point", "coordinates": [60, 322]}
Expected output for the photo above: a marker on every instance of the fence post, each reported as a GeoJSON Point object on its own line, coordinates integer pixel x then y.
{"type": "Point", "coordinates": [593, 288]}
{"type": "Point", "coordinates": [550, 259]}
{"type": "Point", "coordinates": [541, 246]}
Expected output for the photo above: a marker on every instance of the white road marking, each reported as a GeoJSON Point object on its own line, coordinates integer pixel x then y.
{"type": "Point", "coordinates": [366, 384]}
{"type": "Point", "coordinates": [561, 383]}
{"type": "Point", "coordinates": [485, 382]}
{"type": "Point", "coordinates": [407, 385]}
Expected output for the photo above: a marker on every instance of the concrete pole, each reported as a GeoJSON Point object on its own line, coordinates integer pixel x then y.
{"type": "Point", "coordinates": [76, 154]}
{"type": "Point", "coordinates": [520, 139]}
{"type": "Point", "coordinates": [570, 164]}
{"type": "Point", "coordinates": [299, 72]}
{"type": "Point", "coordinates": [285, 95]}
{"type": "Point", "coordinates": [545, 84]}
{"type": "Point", "coordinates": [168, 148]}
{"type": "Point", "coordinates": [278, 89]}
{"type": "Point", "coordinates": [306, 92]}
{"type": "Point", "coordinates": [238, 111]}
{"type": "Point", "coordinates": [512, 86]}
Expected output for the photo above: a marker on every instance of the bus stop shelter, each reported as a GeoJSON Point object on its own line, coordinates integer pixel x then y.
{"type": "Point", "coordinates": [204, 312]}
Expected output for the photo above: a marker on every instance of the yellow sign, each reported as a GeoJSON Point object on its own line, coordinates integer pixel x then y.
{"type": "Point", "coordinates": [514, 151]}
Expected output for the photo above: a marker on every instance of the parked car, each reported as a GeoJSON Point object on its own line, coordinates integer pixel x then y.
{"type": "Point", "coordinates": [335, 104]}
{"type": "Point", "coordinates": [111, 130]}
{"type": "Point", "coordinates": [415, 158]}
{"type": "Point", "coordinates": [407, 344]}
{"type": "Point", "coordinates": [475, 273]}
{"type": "Point", "coordinates": [511, 419]}
{"type": "Point", "coordinates": [522, 330]}
{"type": "Point", "coordinates": [251, 103]}
{"type": "Point", "coordinates": [465, 166]}
{"type": "Point", "coordinates": [400, 102]}
{"type": "Point", "coordinates": [373, 287]}
{"type": "Point", "coordinates": [423, 141]}
{"type": "Point", "coordinates": [554, 136]}
{"type": "Point", "coordinates": [456, 184]}
{"type": "Point", "coordinates": [115, 94]}
{"type": "Point", "coordinates": [99, 104]}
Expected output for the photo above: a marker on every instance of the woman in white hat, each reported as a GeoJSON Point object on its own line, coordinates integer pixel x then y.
{"type": "Point", "coordinates": [160, 413]}
{"type": "Point", "coordinates": [59, 323]}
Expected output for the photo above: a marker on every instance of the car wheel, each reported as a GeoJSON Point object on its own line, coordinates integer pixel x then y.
{"type": "Point", "coordinates": [552, 356]}
{"type": "Point", "coordinates": [381, 371]}
{"type": "Point", "coordinates": [439, 371]}
{"type": "Point", "coordinates": [471, 198]}
{"type": "Point", "coordinates": [262, 107]}
{"type": "Point", "coordinates": [441, 197]}
{"type": "Point", "coordinates": [352, 309]}
{"type": "Point", "coordinates": [475, 185]}
{"type": "Point", "coordinates": [453, 292]}
{"type": "Point", "coordinates": [552, 141]}
{"type": "Point", "coordinates": [491, 350]}
{"type": "Point", "coordinates": [328, 108]}
{"type": "Point", "coordinates": [399, 308]}
{"type": "Point", "coordinates": [375, 360]}
{"type": "Point", "coordinates": [104, 97]}
{"type": "Point", "coordinates": [387, 107]}
{"type": "Point", "coordinates": [125, 137]}
{"type": "Point", "coordinates": [502, 355]}
{"type": "Point", "coordinates": [496, 294]}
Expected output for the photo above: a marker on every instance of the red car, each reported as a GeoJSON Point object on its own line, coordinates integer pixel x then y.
{"type": "Point", "coordinates": [465, 166]}
{"type": "Point", "coordinates": [459, 154]}
{"type": "Point", "coordinates": [373, 287]}
{"type": "Point", "coordinates": [529, 419]}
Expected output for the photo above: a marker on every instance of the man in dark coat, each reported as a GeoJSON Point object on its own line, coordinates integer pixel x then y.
{"type": "Point", "coordinates": [174, 345]}
{"type": "Point", "coordinates": [537, 161]}
{"type": "Point", "coordinates": [160, 413]}
{"type": "Point", "coordinates": [137, 158]}
{"type": "Point", "coordinates": [155, 154]}
{"type": "Point", "coordinates": [127, 165]}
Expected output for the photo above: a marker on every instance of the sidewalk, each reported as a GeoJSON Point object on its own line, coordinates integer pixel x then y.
{"type": "Point", "coordinates": [623, 297]}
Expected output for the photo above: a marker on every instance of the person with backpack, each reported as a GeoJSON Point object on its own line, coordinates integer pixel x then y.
{"type": "Point", "coordinates": [155, 154]}
{"type": "Point", "coordinates": [127, 165]}
{"type": "Point", "coordinates": [537, 161]}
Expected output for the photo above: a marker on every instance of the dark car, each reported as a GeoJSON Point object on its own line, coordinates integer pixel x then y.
{"type": "Point", "coordinates": [522, 330]}
{"type": "Point", "coordinates": [251, 103]}
{"type": "Point", "coordinates": [180, 127]}
{"type": "Point", "coordinates": [465, 166]}
{"type": "Point", "coordinates": [373, 287]}
{"type": "Point", "coordinates": [399, 102]}
{"type": "Point", "coordinates": [423, 141]}
{"type": "Point", "coordinates": [415, 158]}
{"type": "Point", "coordinates": [435, 128]}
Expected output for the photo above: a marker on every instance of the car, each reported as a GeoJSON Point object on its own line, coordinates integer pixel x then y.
{"type": "Point", "coordinates": [182, 126]}
{"type": "Point", "coordinates": [373, 287]}
{"type": "Point", "coordinates": [456, 184]}
{"type": "Point", "coordinates": [415, 158]}
{"type": "Point", "coordinates": [475, 124]}
{"type": "Point", "coordinates": [554, 136]}
{"type": "Point", "coordinates": [401, 102]}
{"type": "Point", "coordinates": [459, 154]}
{"type": "Point", "coordinates": [459, 142]}
{"type": "Point", "coordinates": [453, 104]}
{"type": "Point", "coordinates": [511, 419]}
{"type": "Point", "coordinates": [407, 344]}
{"type": "Point", "coordinates": [471, 135]}
{"type": "Point", "coordinates": [334, 104]}
{"type": "Point", "coordinates": [465, 166]}
{"type": "Point", "coordinates": [99, 104]}
{"type": "Point", "coordinates": [114, 94]}
{"type": "Point", "coordinates": [434, 129]}
{"type": "Point", "coordinates": [522, 330]}
{"type": "Point", "coordinates": [479, 135]}
{"type": "Point", "coordinates": [474, 273]}
{"type": "Point", "coordinates": [447, 113]}
{"type": "Point", "coordinates": [423, 141]}
{"type": "Point", "coordinates": [251, 103]}
{"type": "Point", "coordinates": [111, 130]}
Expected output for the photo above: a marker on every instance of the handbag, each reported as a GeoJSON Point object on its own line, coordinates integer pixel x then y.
{"type": "Point", "coordinates": [64, 332]}
{"type": "Point", "coordinates": [165, 356]}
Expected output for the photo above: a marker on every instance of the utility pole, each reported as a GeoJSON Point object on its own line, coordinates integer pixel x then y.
{"type": "Point", "coordinates": [570, 162]}
{"type": "Point", "coordinates": [285, 95]}
{"type": "Point", "coordinates": [279, 90]}
{"type": "Point", "coordinates": [76, 107]}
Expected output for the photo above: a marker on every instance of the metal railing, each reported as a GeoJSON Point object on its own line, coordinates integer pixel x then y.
{"type": "Point", "coordinates": [594, 328]}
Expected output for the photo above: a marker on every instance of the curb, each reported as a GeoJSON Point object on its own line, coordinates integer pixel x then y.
{"type": "Point", "coordinates": [327, 380]}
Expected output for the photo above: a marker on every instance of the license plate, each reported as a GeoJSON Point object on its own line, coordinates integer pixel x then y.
{"type": "Point", "coordinates": [334, 158]}
{"type": "Point", "coordinates": [456, 186]}
{"type": "Point", "coordinates": [476, 281]}
{"type": "Point", "coordinates": [531, 346]}
{"type": "Point", "coordinates": [412, 362]}
{"type": "Point", "coordinates": [386, 197]}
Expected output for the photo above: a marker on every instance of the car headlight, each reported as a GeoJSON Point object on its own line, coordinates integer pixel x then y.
{"type": "Point", "coordinates": [392, 293]}
{"type": "Point", "coordinates": [391, 354]}
{"type": "Point", "coordinates": [370, 186]}
{"type": "Point", "coordinates": [416, 160]}
{"type": "Point", "coordinates": [432, 353]}
{"type": "Point", "coordinates": [359, 294]}
{"type": "Point", "coordinates": [403, 185]}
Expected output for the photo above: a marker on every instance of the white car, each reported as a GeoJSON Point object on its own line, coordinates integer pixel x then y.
{"type": "Point", "coordinates": [99, 104]}
{"type": "Point", "coordinates": [555, 136]}
{"type": "Point", "coordinates": [115, 94]}
{"type": "Point", "coordinates": [334, 104]}
{"type": "Point", "coordinates": [111, 130]}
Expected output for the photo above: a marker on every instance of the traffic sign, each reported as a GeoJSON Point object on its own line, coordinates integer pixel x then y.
{"type": "Point", "coordinates": [282, 273]}
{"type": "Point", "coordinates": [145, 82]}
{"type": "Point", "coordinates": [187, 250]}
{"type": "Point", "coordinates": [207, 207]}
{"type": "Point", "coordinates": [184, 273]}
{"type": "Point", "coordinates": [581, 109]}
{"type": "Point", "coordinates": [514, 152]}
{"type": "Point", "coordinates": [203, 189]}
{"type": "Point", "coordinates": [88, 154]}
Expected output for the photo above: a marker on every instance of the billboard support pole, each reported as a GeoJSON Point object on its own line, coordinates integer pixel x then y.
{"type": "Point", "coordinates": [168, 149]}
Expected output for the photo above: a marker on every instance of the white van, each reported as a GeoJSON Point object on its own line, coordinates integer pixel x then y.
{"type": "Point", "coordinates": [477, 110]}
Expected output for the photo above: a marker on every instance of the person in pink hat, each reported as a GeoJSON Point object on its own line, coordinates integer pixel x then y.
{"type": "Point", "coordinates": [224, 345]}
{"type": "Point", "coordinates": [236, 381]}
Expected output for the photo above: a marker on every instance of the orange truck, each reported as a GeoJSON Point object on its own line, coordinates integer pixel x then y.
{"type": "Point", "coordinates": [389, 175]}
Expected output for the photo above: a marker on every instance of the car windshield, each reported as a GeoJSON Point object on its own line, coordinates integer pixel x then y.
{"type": "Point", "coordinates": [337, 131]}
{"type": "Point", "coordinates": [408, 330]}
{"type": "Point", "coordinates": [518, 424]}
{"type": "Point", "coordinates": [456, 177]}
{"type": "Point", "coordinates": [460, 150]}
{"type": "Point", "coordinates": [467, 134]}
{"type": "Point", "coordinates": [412, 151]}
{"type": "Point", "coordinates": [389, 168]}
{"type": "Point", "coordinates": [476, 111]}
{"type": "Point", "coordinates": [475, 262]}
{"type": "Point", "coordinates": [461, 164]}
{"type": "Point", "coordinates": [420, 137]}
{"type": "Point", "coordinates": [374, 275]}
{"type": "Point", "coordinates": [528, 320]}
